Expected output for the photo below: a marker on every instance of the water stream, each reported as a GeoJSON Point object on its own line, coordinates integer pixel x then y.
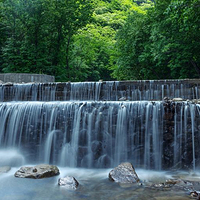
{"type": "Point", "coordinates": [94, 184]}
{"type": "Point", "coordinates": [102, 134]}
{"type": "Point", "coordinates": [100, 91]}
{"type": "Point", "coordinates": [88, 128]}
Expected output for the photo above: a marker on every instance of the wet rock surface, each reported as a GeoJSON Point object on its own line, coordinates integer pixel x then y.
{"type": "Point", "coordinates": [189, 188]}
{"type": "Point", "coordinates": [195, 194]}
{"type": "Point", "coordinates": [37, 172]}
{"type": "Point", "coordinates": [124, 173]}
{"type": "Point", "coordinates": [68, 182]}
{"type": "Point", "coordinates": [173, 184]}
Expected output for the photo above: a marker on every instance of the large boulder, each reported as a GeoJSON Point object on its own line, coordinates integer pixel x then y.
{"type": "Point", "coordinates": [38, 171]}
{"type": "Point", "coordinates": [68, 182]}
{"type": "Point", "coordinates": [124, 173]}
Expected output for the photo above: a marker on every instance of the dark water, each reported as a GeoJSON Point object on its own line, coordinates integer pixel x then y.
{"type": "Point", "coordinates": [94, 184]}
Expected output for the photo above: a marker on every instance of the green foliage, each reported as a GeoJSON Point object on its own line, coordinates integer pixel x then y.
{"type": "Point", "coordinates": [162, 44]}
{"type": "Point", "coordinates": [101, 39]}
{"type": "Point", "coordinates": [2, 34]}
{"type": "Point", "coordinates": [24, 49]}
{"type": "Point", "coordinates": [94, 49]}
{"type": "Point", "coordinates": [133, 60]}
{"type": "Point", "coordinates": [38, 34]}
{"type": "Point", "coordinates": [183, 48]}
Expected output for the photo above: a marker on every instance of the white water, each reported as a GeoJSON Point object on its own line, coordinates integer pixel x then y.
{"type": "Point", "coordinates": [95, 91]}
{"type": "Point", "coordinates": [101, 134]}
{"type": "Point", "coordinates": [94, 184]}
{"type": "Point", "coordinates": [97, 134]}
{"type": "Point", "coordinates": [11, 157]}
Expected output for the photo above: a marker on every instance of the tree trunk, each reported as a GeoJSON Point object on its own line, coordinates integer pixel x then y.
{"type": "Point", "coordinates": [196, 67]}
{"type": "Point", "coordinates": [67, 58]}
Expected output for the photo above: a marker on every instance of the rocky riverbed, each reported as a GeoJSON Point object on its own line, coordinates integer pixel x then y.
{"type": "Point", "coordinates": [95, 184]}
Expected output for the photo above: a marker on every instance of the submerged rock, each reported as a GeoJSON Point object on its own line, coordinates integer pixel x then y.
{"type": "Point", "coordinates": [38, 171]}
{"type": "Point", "coordinates": [195, 194]}
{"type": "Point", "coordinates": [174, 181]}
{"type": "Point", "coordinates": [68, 182]}
{"type": "Point", "coordinates": [124, 173]}
{"type": "Point", "coordinates": [5, 169]}
{"type": "Point", "coordinates": [161, 186]}
{"type": "Point", "coordinates": [173, 185]}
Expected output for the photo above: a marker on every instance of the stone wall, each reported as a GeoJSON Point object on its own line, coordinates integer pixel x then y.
{"type": "Point", "coordinates": [26, 78]}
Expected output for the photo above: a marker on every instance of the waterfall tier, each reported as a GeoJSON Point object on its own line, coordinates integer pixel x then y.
{"type": "Point", "coordinates": [154, 135]}
{"type": "Point", "coordinates": [101, 91]}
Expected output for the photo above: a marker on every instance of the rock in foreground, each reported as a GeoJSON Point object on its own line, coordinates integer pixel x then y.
{"type": "Point", "coordinates": [38, 171]}
{"type": "Point", "coordinates": [124, 173]}
{"type": "Point", "coordinates": [68, 182]}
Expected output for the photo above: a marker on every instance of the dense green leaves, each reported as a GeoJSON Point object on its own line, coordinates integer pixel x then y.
{"type": "Point", "coordinates": [94, 50]}
{"type": "Point", "coordinates": [38, 34]}
{"type": "Point", "coordinates": [101, 39]}
{"type": "Point", "coordinates": [162, 44]}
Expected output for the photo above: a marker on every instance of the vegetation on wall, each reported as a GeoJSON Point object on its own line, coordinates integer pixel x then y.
{"type": "Point", "coordinates": [88, 40]}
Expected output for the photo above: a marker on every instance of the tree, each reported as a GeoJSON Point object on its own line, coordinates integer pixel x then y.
{"type": "Point", "coordinates": [24, 49]}
{"type": "Point", "coordinates": [67, 17]}
{"type": "Point", "coordinates": [94, 48]}
{"type": "Point", "coordinates": [39, 33]}
{"type": "Point", "coordinates": [85, 40]}
{"type": "Point", "coordinates": [2, 34]}
{"type": "Point", "coordinates": [183, 45]}
{"type": "Point", "coordinates": [133, 59]}
{"type": "Point", "coordinates": [162, 44]}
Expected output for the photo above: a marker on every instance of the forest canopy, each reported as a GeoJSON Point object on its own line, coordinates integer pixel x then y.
{"type": "Point", "coordinates": [88, 40]}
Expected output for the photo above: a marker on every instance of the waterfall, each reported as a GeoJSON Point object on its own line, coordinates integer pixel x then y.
{"type": "Point", "coordinates": [85, 124]}
{"type": "Point", "coordinates": [95, 91]}
{"type": "Point", "coordinates": [121, 136]}
{"type": "Point", "coordinates": [192, 112]}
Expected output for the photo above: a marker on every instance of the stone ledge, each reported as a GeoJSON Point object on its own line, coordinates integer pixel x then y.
{"type": "Point", "coordinates": [26, 78]}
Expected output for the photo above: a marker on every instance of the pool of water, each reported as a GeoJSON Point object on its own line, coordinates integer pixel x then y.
{"type": "Point", "coordinates": [94, 184]}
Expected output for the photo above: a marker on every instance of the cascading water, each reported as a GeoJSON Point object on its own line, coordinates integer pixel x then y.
{"type": "Point", "coordinates": [99, 125]}
{"type": "Point", "coordinates": [103, 134]}
{"type": "Point", "coordinates": [101, 91]}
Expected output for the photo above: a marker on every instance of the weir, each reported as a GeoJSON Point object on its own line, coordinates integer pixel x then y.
{"type": "Point", "coordinates": [85, 124]}
{"type": "Point", "coordinates": [101, 91]}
